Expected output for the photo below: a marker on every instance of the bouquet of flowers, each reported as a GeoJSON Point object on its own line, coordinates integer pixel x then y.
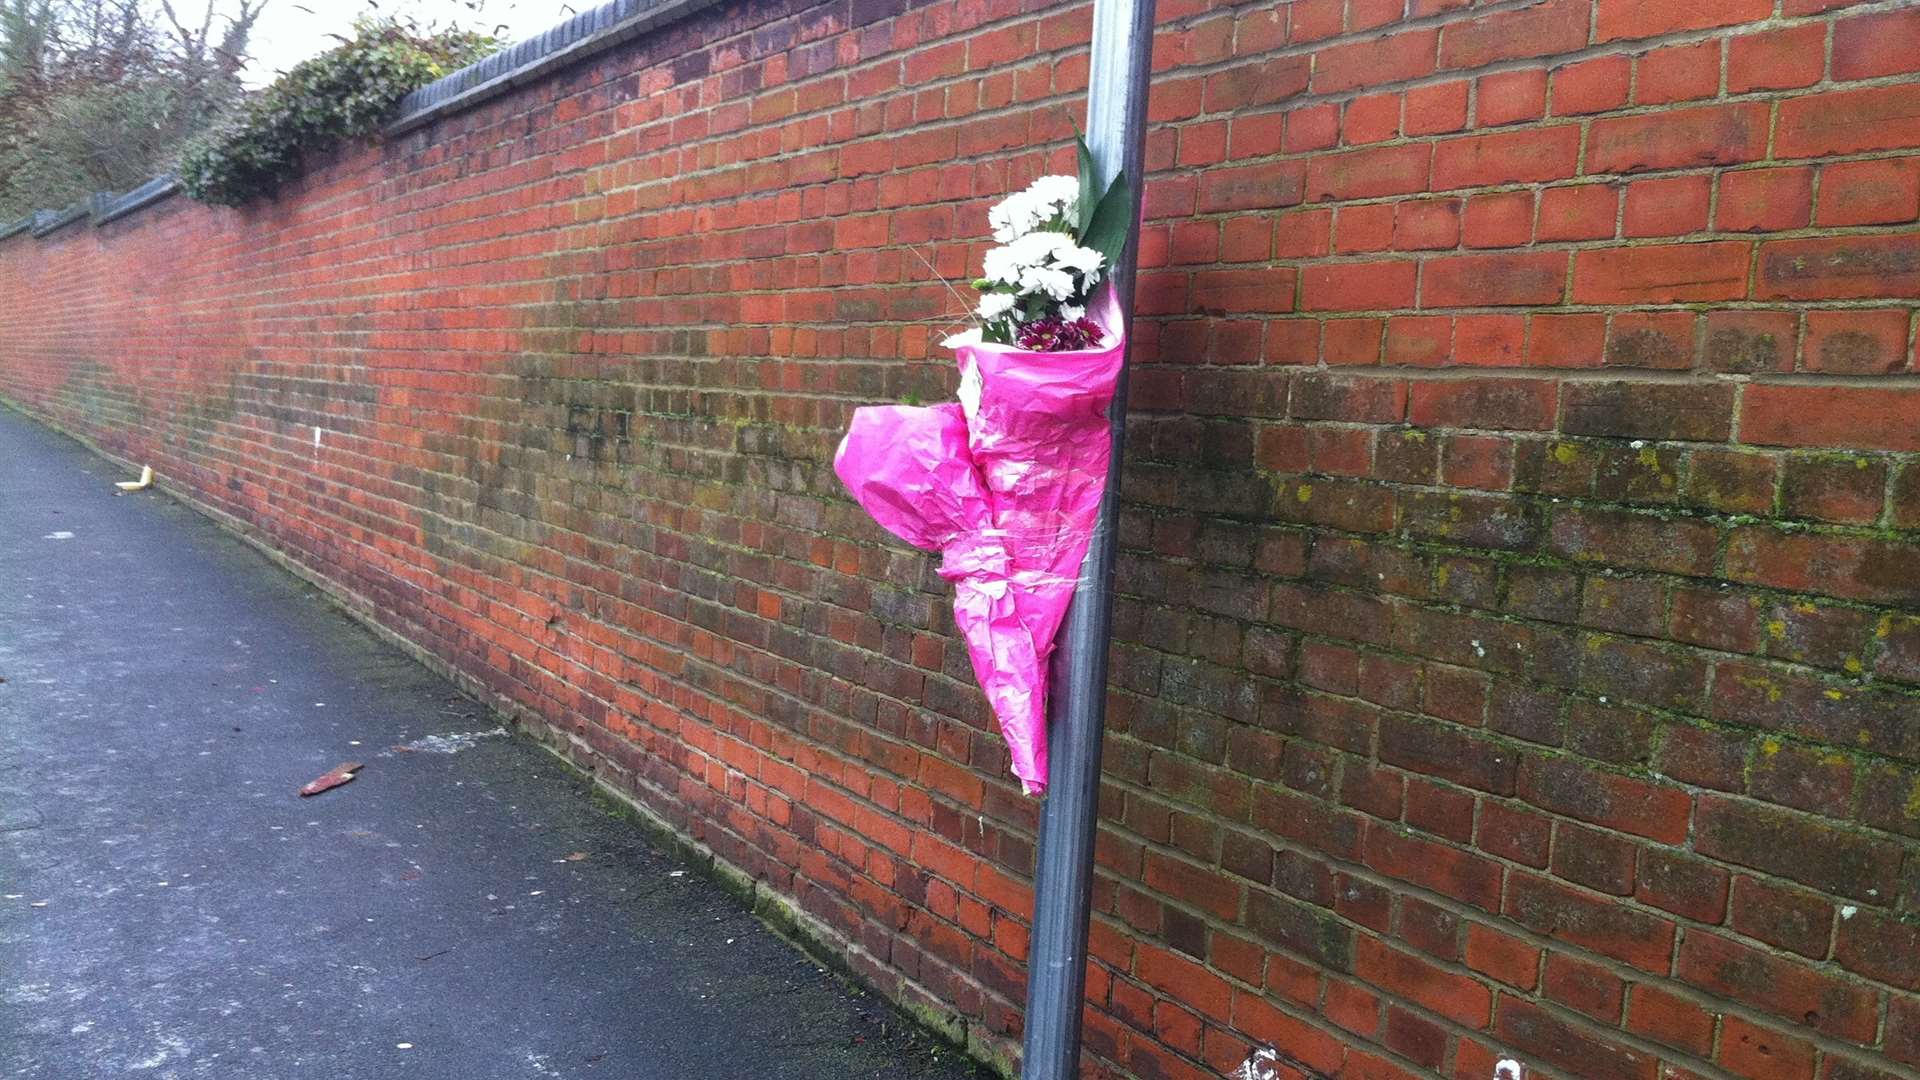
{"type": "Point", "coordinates": [1007, 482]}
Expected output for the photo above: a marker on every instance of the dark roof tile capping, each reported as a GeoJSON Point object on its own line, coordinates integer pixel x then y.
{"type": "Point", "coordinates": [110, 207]}
{"type": "Point", "coordinates": [577, 38]}
{"type": "Point", "coordinates": [46, 221]}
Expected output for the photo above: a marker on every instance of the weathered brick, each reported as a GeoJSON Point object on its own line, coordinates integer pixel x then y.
{"type": "Point", "coordinates": [1836, 416]}
{"type": "Point", "coordinates": [1564, 786]}
{"type": "Point", "coordinates": [1803, 849]}
{"type": "Point", "coordinates": [1648, 411]}
{"type": "Point", "coordinates": [1661, 274]}
{"type": "Point", "coordinates": [1762, 980]}
{"type": "Point", "coordinates": [1576, 1048]}
{"type": "Point", "coordinates": [1848, 121]}
{"type": "Point", "coordinates": [1592, 921]}
{"type": "Point", "coordinates": [1799, 921]}
{"type": "Point", "coordinates": [1493, 404]}
{"type": "Point", "coordinates": [1678, 138]}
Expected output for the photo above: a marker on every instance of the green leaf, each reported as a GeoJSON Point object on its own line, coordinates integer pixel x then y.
{"type": "Point", "coordinates": [1106, 233]}
{"type": "Point", "coordinates": [1089, 189]}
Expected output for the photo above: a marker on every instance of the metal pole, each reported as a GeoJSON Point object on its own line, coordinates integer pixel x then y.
{"type": "Point", "coordinates": [1057, 955]}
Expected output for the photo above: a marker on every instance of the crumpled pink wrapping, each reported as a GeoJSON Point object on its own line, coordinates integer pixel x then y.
{"type": "Point", "coordinates": [1006, 484]}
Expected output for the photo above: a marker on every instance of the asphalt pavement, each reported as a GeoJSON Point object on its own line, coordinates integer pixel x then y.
{"type": "Point", "coordinates": [465, 907]}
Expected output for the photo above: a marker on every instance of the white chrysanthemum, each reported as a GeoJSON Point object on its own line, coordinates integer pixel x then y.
{"type": "Point", "coordinates": [1058, 194]}
{"type": "Point", "coordinates": [1069, 313]}
{"type": "Point", "coordinates": [1000, 265]}
{"type": "Point", "coordinates": [964, 337]}
{"type": "Point", "coordinates": [1086, 260]}
{"type": "Point", "coordinates": [1015, 216]}
{"type": "Point", "coordinates": [1057, 284]}
{"type": "Point", "coordinates": [1040, 248]}
{"type": "Point", "coordinates": [995, 304]}
{"type": "Point", "coordinates": [1045, 200]}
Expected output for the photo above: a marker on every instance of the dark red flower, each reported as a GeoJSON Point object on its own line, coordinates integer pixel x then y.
{"type": "Point", "coordinates": [1053, 334]}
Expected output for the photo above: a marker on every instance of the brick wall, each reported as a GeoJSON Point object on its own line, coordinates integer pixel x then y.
{"type": "Point", "coordinates": [1520, 643]}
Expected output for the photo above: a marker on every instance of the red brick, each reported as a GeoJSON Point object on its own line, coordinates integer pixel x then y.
{"type": "Point", "coordinates": [1352, 341]}
{"type": "Point", "coordinates": [1769, 839]}
{"type": "Point", "coordinates": [1449, 871]}
{"type": "Point", "coordinates": [1868, 46]}
{"type": "Point", "coordinates": [1788, 918]}
{"type": "Point", "coordinates": [1371, 286]}
{"type": "Point", "coordinates": [1489, 340]}
{"type": "Point", "coordinates": [1839, 416]}
{"type": "Point", "coordinates": [1592, 921]}
{"type": "Point", "coordinates": [1747, 342]}
{"type": "Point", "coordinates": [1869, 192]}
{"type": "Point", "coordinates": [1678, 73]}
{"type": "Point", "coordinates": [1502, 956]}
{"type": "Point", "coordinates": [1530, 156]}
{"type": "Point", "coordinates": [1425, 224]}
{"type": "Point", "coordinates": [1514, 832]}
{"type": "Point", "coordinates": [1784, 988]}
{"type": "Point", "coordinates": [1683, 885]}
{"type": "Point", "coordinates": [1749, 1050]}
{"type": "Point", "coordinates": [1571, 341]}
{"type": "Point", "coordinates": [1364, 228]}
{"type": "Point", "coordinates": [1311, 127]}
{"type": "Point", "coordinates": [1678, 139]}
{"type": "Point", "coordinates": [1617, 802]}
{"type": "Point", "coordinates": [1420, 340]}
{"type": "Point", "coordinates": [1544, 29]}
{"type": "Point", "coordinates": [1370, 119]}
{"type": "Point", "coordinates": [1511, 97]}
{"type": "Point", "coordinates": [1710, 617]}
{"type": "Point", "coordinates": [1667, 206]}
{"type": "Point", "coordinates": [1839, 268]}
{"type": "Point", "coordinates": [1880, 948]}
{"type": "Point", "coordinates": [1495, 404]}
{"type": "Point", "coordinates": [1617, 19]}
{"type": "Point", "coordinates": [1784, 59]}
{"type": "Point", "coordinates": [1765, 200]}
{"type": "Point", "coordinates": [1661, 274]}
{"type": "Point", "coordinates": [1374, 62]}
{"type": "Point", "coordinates": [1436, 109]}
{"type": "Point", "coordinates": [1852, 342]}
{"type": "Point", "coordinates": [1667, 1018]}
{"type": "Point", "coordinates": [1589, 988]}
{"type": "Point", "coordinates": [1592, 86]}
{"type": "Point", "coordinates": [1184, 980]}
{"type": "Point", "coordinates": [1595, 859]}
{"type": "Point", "coordinates": [1903, 1029]}
{"type": "Point", "coordinates": [1648, 411]}
{"type": "Point", "coordinates": [1582, 212]}
{"type": "Point", "coordinates": [1577, 1049]}
{"type": "Point", "coordinates": [1368, 174]}
{"type": "Point", "coordinates": [1848, 121]}
{"type": "Point", "coordinates": [1456, 997]}
{"type": "Point", "coordinates": [1651, 339]}
{"type": "Point", "coordinates": [1492, 280]}
{"type": "Point", "coordinates": [1501, 220]}
{"type": "Point", "coordinates": [1252, 187]}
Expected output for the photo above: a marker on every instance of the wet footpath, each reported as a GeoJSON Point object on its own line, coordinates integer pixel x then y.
{"type": "Point", "coordinates": [465, 907]}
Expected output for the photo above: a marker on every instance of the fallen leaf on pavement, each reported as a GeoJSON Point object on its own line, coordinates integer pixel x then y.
{"type": "Point", "coordinates": [332, 778]}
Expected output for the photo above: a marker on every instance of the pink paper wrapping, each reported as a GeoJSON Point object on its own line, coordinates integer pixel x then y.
{"type": "Point", "coordinates": [1007, 485]}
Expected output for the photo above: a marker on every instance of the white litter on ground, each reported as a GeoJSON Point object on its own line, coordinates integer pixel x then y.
{"type": "Point", "coordinates": [454, 743]}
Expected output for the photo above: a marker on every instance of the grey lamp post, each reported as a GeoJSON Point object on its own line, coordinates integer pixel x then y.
{"type": "Point", "coordinates": [1057, 955]}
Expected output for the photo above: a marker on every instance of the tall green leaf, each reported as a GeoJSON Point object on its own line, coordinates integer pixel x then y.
{"type": "Point", "coordinates": [1106, 233]}
{"type": "Point", "coordinates": [1089, 192]}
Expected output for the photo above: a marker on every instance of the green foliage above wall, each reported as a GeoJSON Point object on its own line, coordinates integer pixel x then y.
{"type": "Point", "coordinates": [340, 94]}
